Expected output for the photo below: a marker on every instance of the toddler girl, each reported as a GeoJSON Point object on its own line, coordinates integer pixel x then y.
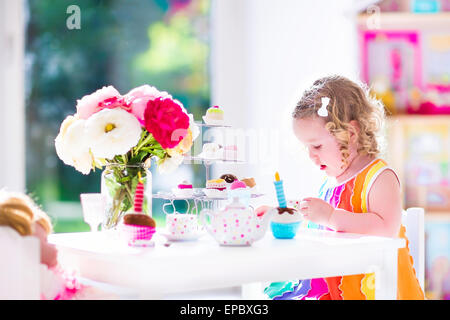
{"type": "Point", "coordinates": [20, 213]}
{"type": "Point", "coordinates": [338, 122]}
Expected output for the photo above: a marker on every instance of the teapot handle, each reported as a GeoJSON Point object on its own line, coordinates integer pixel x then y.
{"type": "Point", "coordinates": [170, 203]}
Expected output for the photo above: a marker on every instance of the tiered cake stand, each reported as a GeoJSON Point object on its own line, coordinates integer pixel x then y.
{"type": "Point", "coordinates": [199, 200]}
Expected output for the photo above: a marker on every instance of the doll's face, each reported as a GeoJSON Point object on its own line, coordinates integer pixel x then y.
{"type": "Point", "coordinates": [322, 146]}
{"type": "Point", "coordinates": [48, 251]}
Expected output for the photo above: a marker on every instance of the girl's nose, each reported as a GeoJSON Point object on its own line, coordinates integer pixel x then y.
{"type": "Point", "coordinates": [311, 154]}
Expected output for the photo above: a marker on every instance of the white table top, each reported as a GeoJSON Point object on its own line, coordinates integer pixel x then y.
{"type": "Point", "coordinates": [203, 264]}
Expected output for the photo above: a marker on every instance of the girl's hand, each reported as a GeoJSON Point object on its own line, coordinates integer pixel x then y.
{"type": "Point", "coordinates": [316, 210]}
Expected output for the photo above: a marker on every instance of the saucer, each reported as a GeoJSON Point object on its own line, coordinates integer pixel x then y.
{"type": "Point", "coordinates": [171, 237]}
{"type": "Point", "coordinates": [214, 193]}
{"type": "Point", "coordinates": [183, 193]}
{"type": "Point", "coordinates": [141, 243]}
{"type": "Point", "coordinates": [213, 122]}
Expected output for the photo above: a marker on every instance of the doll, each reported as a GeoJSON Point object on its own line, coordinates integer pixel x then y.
{"type": "Point", "coordinates": [20, 213]}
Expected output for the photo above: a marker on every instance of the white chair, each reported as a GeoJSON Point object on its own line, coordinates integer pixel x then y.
{"type": "Point", "coordinates": [414, 221]}
{"type": "Point", "coordinates": [19, 266]}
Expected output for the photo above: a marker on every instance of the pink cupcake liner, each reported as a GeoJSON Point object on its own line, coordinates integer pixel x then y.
{"type": "Point", "coordinates": [136, 233]}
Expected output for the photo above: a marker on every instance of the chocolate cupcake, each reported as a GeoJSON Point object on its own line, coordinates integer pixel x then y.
{"type": "Point", "coordinates": [228, 177]}
{"type": "Point", "coordinates": [138, 219]}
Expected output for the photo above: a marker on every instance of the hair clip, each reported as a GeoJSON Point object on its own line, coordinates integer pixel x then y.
{"type": "Point", "coordinates": [323, 112]}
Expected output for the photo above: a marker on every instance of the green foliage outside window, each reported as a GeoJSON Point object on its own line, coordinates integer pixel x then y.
{"type": "Point", "coordinates": [124, 43]}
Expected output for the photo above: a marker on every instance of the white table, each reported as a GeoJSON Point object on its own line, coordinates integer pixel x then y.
{"type": "Point", "coordinates": [203, 264]}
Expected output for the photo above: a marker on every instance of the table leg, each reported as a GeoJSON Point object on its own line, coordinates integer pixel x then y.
{"type": "Point", "coordinates": [386, 276]}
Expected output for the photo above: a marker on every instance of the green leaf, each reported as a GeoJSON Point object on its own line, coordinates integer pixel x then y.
{"type": "Point", "coordinates": [124, 179]}
{"type": "Point", "coordinates": [160, 153]}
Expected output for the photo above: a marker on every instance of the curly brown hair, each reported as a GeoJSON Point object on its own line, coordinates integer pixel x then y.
{"type": "Point", "coordinates": [348, 101]}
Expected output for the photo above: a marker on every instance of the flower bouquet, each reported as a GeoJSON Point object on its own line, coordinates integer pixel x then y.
{"type": "Point", "coordinates": [122, 134]}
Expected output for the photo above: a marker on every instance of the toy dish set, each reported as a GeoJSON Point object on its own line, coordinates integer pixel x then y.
{"type": "Point", "coordinates": [236, 223]}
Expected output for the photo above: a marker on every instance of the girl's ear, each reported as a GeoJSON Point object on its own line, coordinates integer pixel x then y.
{"type": "Point", "coordinates": [354, 130]}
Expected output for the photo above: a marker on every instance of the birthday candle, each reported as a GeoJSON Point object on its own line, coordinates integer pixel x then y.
{"type": "Point", "coordinates": [280, 191]}
{"type": "Point", "coordinates": [139, 195]}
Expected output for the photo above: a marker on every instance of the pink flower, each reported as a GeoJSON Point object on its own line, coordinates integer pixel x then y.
{"type": "Point", "coordinates": [138, 98]}
{"type": "Point", "coordinates": [166, 121]}
{"type": "Point", "coordinates": [100, 99]}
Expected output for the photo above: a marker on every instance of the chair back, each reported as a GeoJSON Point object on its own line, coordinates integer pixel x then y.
{"type": "Point", "coordinates": [19, 266]}
{"type": "Point", "coordinates": [413, 220]}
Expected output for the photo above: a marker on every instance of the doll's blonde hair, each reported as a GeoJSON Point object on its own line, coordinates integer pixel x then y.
{"type": "Point", "coordinates": [348, 101]}
{"type": "Point", "coordinates": [20, 212]}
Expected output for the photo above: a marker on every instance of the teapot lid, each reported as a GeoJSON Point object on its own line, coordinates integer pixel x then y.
{"type": "Point", "coordinates": [239, 195]}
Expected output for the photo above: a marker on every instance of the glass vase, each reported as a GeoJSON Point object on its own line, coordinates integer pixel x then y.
{"type": "Point", "coordinates": [118, 184]}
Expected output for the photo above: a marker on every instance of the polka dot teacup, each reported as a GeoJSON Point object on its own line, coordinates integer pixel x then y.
{"type": "Point", "coordinates": [182, 225]}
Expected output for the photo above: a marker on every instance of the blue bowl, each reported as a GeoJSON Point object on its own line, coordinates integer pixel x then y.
{"type": "Point", "coordinates": [284, 230]}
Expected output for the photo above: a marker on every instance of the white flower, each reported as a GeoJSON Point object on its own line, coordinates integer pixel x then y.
{"type": "Point", "coordinates": [72, 145]}
{"type": "Point", "coordinates": [112, 132]}
{"type": "Point", "coordinates": [170, 163]}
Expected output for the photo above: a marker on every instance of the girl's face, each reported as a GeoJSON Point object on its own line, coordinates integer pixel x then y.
{"type": "Point", "coordinates": [48, 251]}
{"type": "Point", "coordinates": [322, 146]}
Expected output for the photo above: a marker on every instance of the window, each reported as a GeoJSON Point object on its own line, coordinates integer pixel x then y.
{"type": "Point", "coordinates": [164, 43]}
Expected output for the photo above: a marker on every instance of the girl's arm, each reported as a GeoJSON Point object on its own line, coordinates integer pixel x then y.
{"type": "Point", "coordinates": [385, 210]}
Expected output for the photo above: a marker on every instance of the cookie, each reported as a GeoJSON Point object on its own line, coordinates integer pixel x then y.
{"type": "Point", "coordinates": [250, 182]}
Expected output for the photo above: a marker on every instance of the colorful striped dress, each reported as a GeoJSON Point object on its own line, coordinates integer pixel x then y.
{"type": "Point", "coordinates": [352, 196]}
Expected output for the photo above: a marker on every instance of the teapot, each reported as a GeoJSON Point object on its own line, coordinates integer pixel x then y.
{"type": "Point", "coordinates": [236, 224]}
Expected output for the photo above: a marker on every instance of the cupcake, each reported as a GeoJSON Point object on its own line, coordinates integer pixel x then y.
{"type": "Point", "coordinates": [238, 185]}
{"type": "Point", "coordinates": [216, 184]}
{"type": "Point", "coordinates": [184, 189]}
{"type": "Point", "coordinates": [214, 116]}
{"type": "Point", "coordinates": [285, 223]}
{"type": "Point", "coordinates": [229, 178]}
{"type": "Point", "coordinates": [216, 188]}
{"type": "Point", "coordinates": [138, 229]}
{"type": "Point", "coordinates": [139, 219]}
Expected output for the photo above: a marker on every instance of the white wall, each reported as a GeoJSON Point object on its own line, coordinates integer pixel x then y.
{"type": "Point", "coordinates": [12, 103]}
{"type": "Point", "coordinates": [263, 54]}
